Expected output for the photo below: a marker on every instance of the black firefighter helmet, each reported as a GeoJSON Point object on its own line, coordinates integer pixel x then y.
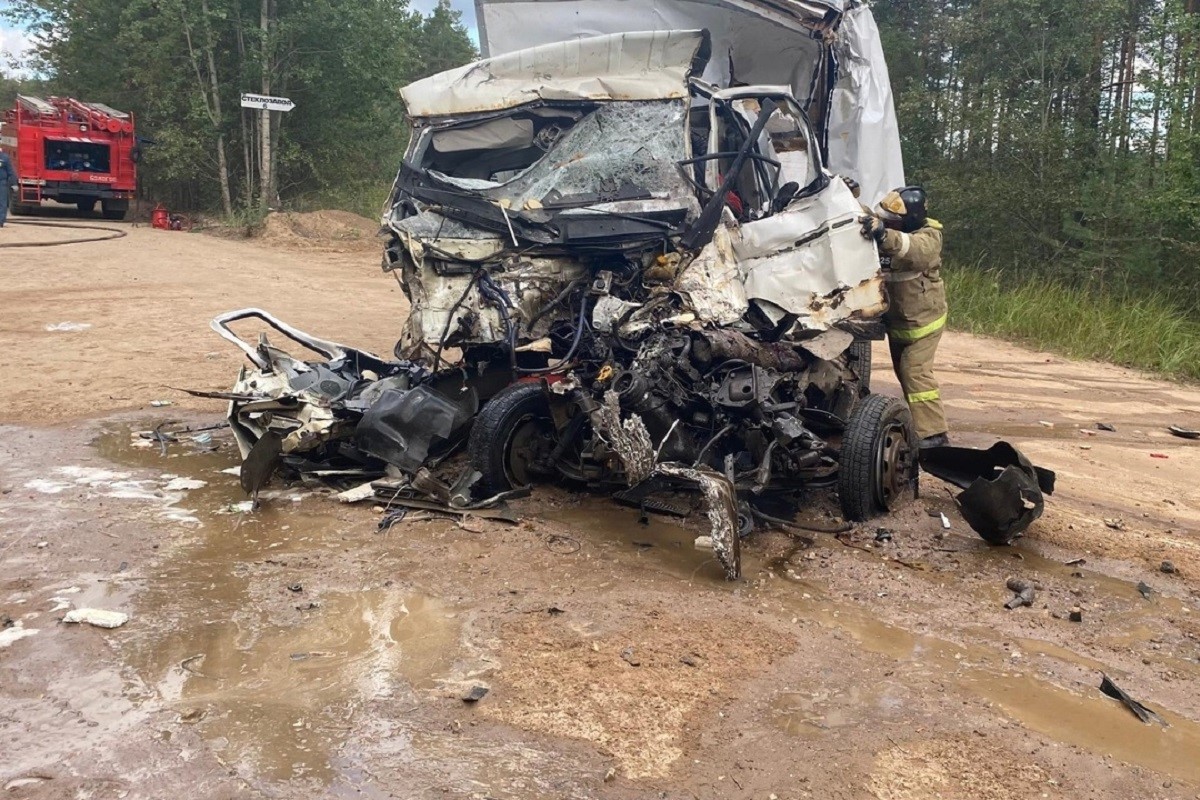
{"type": "Point", "coordinates": [908, 205]}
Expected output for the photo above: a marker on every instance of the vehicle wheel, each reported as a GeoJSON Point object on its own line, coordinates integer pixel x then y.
{"type": "Point", "coordinates": [86, 206]}
{"type": "Point", "coordinates": [114, 211]}
{"type": "Point", "coordinates": [512, 438]}
{"type": "Point", "coordinates": [860, 362]}
{"type": "Point", "coordinates": [878, 466]}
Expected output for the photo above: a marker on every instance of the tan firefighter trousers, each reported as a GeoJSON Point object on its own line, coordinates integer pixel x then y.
{"type": "Point", "coordinates": [913, 363]}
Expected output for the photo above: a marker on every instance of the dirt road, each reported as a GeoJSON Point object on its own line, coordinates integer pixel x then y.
{"type": "Point", "coordinates": [297, 652]}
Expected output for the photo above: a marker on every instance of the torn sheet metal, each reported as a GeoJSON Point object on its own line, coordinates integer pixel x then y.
{"type": "Point", "coordinates": [646, 65]}
{"type": "Point", "coordinates": [829, 53]}
{"type": "Point", "coordinates": [811, 262]}
{"type": "Point", "coordinates": [1003, 491]}
{"type": "Point", "coordinates": [864, 134]}
{"type": "Point", "coordinates": [619, 276]}
{"type": "Point", "coordinates": [720, 504]}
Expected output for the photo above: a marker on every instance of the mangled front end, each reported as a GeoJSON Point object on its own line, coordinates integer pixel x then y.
{"type": "Point", "coordinates": [655, 281]}
{"type": "Point", "coordinates": [496, 213]}
{"type": "Point", "coordinates": [349, 415]}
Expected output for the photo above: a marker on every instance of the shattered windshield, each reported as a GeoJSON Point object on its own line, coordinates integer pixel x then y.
{"type": "Point", "coordinates": [556, 156]}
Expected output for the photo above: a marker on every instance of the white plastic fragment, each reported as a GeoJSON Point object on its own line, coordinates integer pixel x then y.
{"type": "Point", "coordinates": [97, 617]}
{"type": "Point", "coordinates": [235, 471]}
{"type": "Point", "coordinates": [704, 543]}
{"type": "Point", "coordinates": [68, 327]}
{"type": "Point", "coordinates": [14, 634]}
{"type": "Point", "coordinates": [358, 494]}
{"type": "Point", "coordinates": [945, 522]}
{"type": "Point", "coordinates": [160, 403]}
{"type": "Point", "coordinates": [17, 783]}
{"type": "Point", "coordinates": [184, 484]}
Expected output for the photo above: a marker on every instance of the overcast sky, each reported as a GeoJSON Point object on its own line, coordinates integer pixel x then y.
{"type": "Point", "coordinates": [467, 7]}
{"type": "Point", "coordinates": [13, 42]}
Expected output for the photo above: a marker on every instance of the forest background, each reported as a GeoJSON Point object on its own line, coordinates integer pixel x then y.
{"type": "Point", "coordinates": [1059, 139]}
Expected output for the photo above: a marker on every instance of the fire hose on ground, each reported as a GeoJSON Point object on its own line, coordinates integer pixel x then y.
{"type": "Point", "coordinates": [108, 234]}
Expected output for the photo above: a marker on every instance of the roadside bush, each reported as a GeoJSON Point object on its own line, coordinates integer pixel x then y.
{"type": "Point", "coordinates": [1143, 330]}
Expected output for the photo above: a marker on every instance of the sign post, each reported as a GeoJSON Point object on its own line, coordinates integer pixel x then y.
{"type": "Point", "coordinates": [265, 102]}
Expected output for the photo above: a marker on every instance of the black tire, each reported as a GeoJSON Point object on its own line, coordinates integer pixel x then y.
{"type": "Point", "coordinates": [19, 210]}
{"type": "Point", "coordinates": [115, 210]}
{"type": "Point", "coordinates": [860, 362]}
{"type": "Point", "coordinates": [878, 464]}
{"type": "Point", "coordinates": [512, 438]}
{"type": "Point", "coordinates": [86, 207]}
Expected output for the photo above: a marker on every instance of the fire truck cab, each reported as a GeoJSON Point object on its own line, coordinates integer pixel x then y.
{"type": "Point", "coordinates": [71, 152]}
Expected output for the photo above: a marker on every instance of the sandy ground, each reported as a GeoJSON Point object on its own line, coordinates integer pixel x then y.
{"type": "Point", "coordinates": [297, 652]}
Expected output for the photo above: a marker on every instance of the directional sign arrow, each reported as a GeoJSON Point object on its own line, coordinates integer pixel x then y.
{"type": "Point", "coordinates": [265, 102]}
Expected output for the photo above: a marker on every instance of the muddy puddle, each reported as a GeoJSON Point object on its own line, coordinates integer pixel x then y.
{"type": "Point", "coordinates": [275, 675]}
{"type": "Point", "coordinates": [657, 543]}
{"type": "Point", "coordinates": [1080, 715]}
{"type": "Point", "coordinates": [270, 671]}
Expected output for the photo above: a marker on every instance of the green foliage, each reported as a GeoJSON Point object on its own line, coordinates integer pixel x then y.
{"type": "Point", "coordinates": [1057, 137]}
{"type": "Point", "coordinates": [1136, 329]}
{"type": "Point", "coordinates": [181, 66]}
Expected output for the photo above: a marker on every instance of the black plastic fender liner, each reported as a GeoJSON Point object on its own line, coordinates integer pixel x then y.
{"type": "Point", "coordinates": [1003, 491]}
{"type": "Point", "coordinates": [406, 427]}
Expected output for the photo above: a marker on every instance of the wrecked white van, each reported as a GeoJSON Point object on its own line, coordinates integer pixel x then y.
{"type": "Point", "coordinates": [622, 276]}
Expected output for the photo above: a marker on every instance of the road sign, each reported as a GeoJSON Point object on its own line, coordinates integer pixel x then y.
{"type": "Point", "coordinates": [265, 102]}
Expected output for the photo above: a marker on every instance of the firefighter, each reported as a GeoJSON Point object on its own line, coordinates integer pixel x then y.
{"type": "Point", "coordinates": [8, 182]}
{"type": "Point", "coordinates": [910, 249]}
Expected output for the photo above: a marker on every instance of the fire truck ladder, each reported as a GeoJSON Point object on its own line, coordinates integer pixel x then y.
{"type": "Point", "coordinates": [29, 193]}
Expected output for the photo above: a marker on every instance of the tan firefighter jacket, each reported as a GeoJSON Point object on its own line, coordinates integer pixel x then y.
{"type": "Point", "coordinates": [912, 263]}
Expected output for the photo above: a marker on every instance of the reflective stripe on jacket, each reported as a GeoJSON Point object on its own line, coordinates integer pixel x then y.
{"type": "Point", "coordinates": [916, 294]}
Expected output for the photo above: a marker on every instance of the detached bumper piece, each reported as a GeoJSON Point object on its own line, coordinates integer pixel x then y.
{"type": "Point", "coordinates": [1003, 491]}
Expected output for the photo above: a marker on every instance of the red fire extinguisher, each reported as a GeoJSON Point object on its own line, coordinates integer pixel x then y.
{"type": "Point", "coordinates": [160, 218]}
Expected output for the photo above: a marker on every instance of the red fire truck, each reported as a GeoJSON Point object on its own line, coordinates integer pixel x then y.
{"type": "Point", "coordinates": [71, 152]}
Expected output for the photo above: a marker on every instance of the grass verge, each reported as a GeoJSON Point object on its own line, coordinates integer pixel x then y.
{"type": "Point", "coordinates": [1146, 331]}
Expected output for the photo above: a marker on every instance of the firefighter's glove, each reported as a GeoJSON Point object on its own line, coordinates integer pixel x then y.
{"type": "Point", "coordinates": [873, 228]}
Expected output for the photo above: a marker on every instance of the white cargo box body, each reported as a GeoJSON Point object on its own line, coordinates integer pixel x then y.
{"type": "Point", "coordinates": [827, 51]}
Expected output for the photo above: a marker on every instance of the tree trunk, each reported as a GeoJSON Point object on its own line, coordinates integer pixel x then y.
{"type": "Point", "coordinates": [222, 162]}
{"type": "Point", "coordinates": [267, 156]}
{"type": "Point", "coordinates": [211, 96]}
{"type": "Point", "coordinates": [247, 129]}
{"type": "Point", "coordinates": [1160, 59]}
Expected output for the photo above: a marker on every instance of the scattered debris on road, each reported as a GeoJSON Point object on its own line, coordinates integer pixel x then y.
{"type": "Point", "coordinates": [1076, 614]}
{"type": "Point", "coordinates": [1146, 715]}
{"type": "Point", "coordinates": [1003, 491]}
{"type": "Point", "coordinates": [1025, 594]}
{"type": "Point", "coordinates": [96, 617]}
{"type": "Point", "coordinates": [1168, 568]}
{"type": "Point", "coordinates": [1104, 426]}
{"type": "Point", "coordinates": [1183, 433]}
{"type": "Point", "coordinates": [14, 631]}
{"type": "Point", "coordinates": [176, 484]}
{"type": "Point", "coordinates": [475, 694]}
{"type": "Point", "coordinates": [1144, 590]}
